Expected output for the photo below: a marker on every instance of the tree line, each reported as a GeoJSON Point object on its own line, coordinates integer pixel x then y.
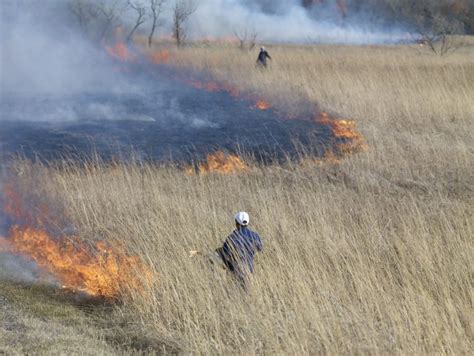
{"type": "Point", "coordinates": [99, 18]}
{"type": "Point", "coordinates": [455, 16]}
{"type": "Point", "coordinates": [435, 20]}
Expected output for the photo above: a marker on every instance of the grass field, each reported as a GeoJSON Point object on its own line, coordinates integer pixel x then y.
{"type": "Point", "coordinates": [371, 255]}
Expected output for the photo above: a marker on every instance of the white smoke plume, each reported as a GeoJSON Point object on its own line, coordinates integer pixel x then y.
{"type": "Point", "coordinates": [289, 21]}
{"type": "Point", "coordinates": [43, 52]}
{"type": "Point", "coordinates": [17, 268]}
{"type": "Point", "coordinates": [43, 49]}
{"type": "Point", "coordinates": [13, 267]}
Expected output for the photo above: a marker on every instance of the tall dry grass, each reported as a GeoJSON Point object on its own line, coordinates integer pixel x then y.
{"type": "Point", "coordinates": [414, 108]}
{"type": "Point", "coordinates": [373, 255]}
{"type": "Point", "coordinates": [348, 266]}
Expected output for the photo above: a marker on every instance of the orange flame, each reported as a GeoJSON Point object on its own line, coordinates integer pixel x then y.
{"type": "Point", "coordinates": [209, 86]}
{"type": "Point", "coordinates": [12, 205]}
{"type": "Point", "coordinates": [220, 162]}
{"type": "Point", "coordinates": [120, 51]}
{"type": "Point", "coordinates": [94, 268]}
{"type": "Point", "coordinates": [158, 57]}
{"type": "Point", "coordinates": [343, 129]}
{"type": "Point", "coordinates": [214, 86]}
{"type": "Point", "coordinates": [262, 105]}
{"type": "Point", "coordinates": [97, 271]}
{"type": "Point", "coordinates": [347, 138]}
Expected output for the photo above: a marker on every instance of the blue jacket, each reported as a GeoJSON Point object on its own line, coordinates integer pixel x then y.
{"type": "Point", "coordinates": [241, 246]}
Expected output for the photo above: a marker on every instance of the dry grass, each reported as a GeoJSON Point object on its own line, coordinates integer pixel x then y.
{"type": "Point", "coordinates": [414, 108]}
{"type": "Point", "coordinates": [370, 256]}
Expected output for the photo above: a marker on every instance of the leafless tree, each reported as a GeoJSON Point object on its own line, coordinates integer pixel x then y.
{"type": "Point", "coordinates": [140, 11]}
{"type": "Point", "coordinates": [440, 35]}
{"type": "Point", "coordinates": [85, 13]}
{"type": "Point", "coordinates": [156, 7]}
{"type": "Point", "coordinates": [96, 17]}
{"type": "Point", "coordinates": [247, 37]}
{"type": "Point", "coordinates": [80, 9]}
{"type": "Point", "coordinates": [182, 10]}
{"type": "Point", "coordinates": [110, 11]}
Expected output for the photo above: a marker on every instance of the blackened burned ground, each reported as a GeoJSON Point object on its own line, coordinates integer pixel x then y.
{"type": "Point", "coordinates": [155, 118]}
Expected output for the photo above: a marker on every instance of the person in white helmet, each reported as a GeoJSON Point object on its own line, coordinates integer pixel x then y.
{"type": "Point", "coordinates": [240, 247]}
{"type": "Point", "coordinates": [262, 57]}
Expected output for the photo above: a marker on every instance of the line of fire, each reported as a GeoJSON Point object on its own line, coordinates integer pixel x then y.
{"type": "Point", "coordinates": [100, 270]}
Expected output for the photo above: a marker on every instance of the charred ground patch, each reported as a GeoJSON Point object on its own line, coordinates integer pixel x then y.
{"type": "Point", "coordinates": [157, 118]}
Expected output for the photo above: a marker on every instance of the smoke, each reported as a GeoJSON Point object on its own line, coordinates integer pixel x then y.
{"type": "Point", "coordinates": [62, 93]}
{"type": "Point", "coordinates": [13, 267]}
{"type": "Point", "coordinates": [17, 268]}
{"type": "Point", "coordinates": [289, 21]}
{"type": "Point", "coordinates": [42, 52]}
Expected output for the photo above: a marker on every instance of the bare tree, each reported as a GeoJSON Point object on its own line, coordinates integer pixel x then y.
{"type": "Point", "coordinates": [81, 9]}
{"type": "Point", "coordinates": [110, 10]}
{"type": "Point", "coordinates": [156, 7]}
{"type": "Point", "coordinates": [440, 34]}
{"type": "Point", "coordinates": [96, 17]}
{"type": "Point", "coordinates": [141, 16]}
{"type": "Point", "coordinates": [87, 16]}
{"type": "Point", "coordinates": [182, 10]}
{"type": "Point", "coordinates": [247, 37]}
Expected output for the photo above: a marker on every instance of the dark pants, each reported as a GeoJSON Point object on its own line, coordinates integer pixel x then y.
{"type": "Point", "coordinates": [235, 267]}
{"type": "Point", "coordinates": [261, 64]}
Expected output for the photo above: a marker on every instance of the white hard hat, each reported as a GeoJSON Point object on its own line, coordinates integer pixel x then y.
{"type": "Point", "coordinates": [262, 48]}
{"type": "Point", "coordinates": [242, 218]}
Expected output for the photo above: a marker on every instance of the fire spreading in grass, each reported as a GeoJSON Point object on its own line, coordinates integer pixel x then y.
{"type": "Point", "coordinates": [120, 52]}
{"type": "Point", "coordinates": [214, 86]}
{"type": "Point", "coordinates": [164, 56]}
{"type": "Point", "coordinates": [160, 57]}
{"type": "Point", "coordinates": [347, 138]}
{"type": "Point", "coordinates": [219, 162]}
{"type": "Point", "coordinates": [94, 268]}
{"type": "Point", "coordinates": [262, 105]}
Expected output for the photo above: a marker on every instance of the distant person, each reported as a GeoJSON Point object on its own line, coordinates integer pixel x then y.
{"type": "Point", "coordinates": [262, 58]}
{"type": "Point", "coordinates": [239, 249]}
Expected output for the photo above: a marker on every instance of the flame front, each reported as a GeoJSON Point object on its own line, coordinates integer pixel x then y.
{"type": "Point", "coordinates": [12, 205]}
{"type": "Point", "coordinates": [159, 57]}
{"type": "Point", "coordinates": [220, 162]}
{"type": "Point", "coordinates": [262, 105]}
{"type": "Point", "coordinates": [94, 268]}
{"type": "Point", "coordinates": [344, 130]}
{"type": "Point", "coordinates": [120, 51]}
{"type": "Point", "coordinates": [346, 138]}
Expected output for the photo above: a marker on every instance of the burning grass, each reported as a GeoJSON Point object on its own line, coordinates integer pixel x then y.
{"type": "Point", "coordinates": [120, 52]}
{"type": "Point", "coordinates": [371, 255]}
{"type": "Point", "coordinates": [98, 269]}
{"type": "Point", "coordinates": [222, 163]}
{"type": "Point", "coordinates": [339, 255]}
{"type": "Point", "coordinates": [160, 57]}
{"type": "Point", "coordinates": [219, 162]}
{"type": "Point", "coordinates": [346, 137]}
{"type": "Point", "coordinates": [262, 105]}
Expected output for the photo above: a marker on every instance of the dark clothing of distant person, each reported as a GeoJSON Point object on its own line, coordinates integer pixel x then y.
{"type": "Point", "coordinates": [262, 58]}
{"type": "Point", "coordinates": [238, 252]}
